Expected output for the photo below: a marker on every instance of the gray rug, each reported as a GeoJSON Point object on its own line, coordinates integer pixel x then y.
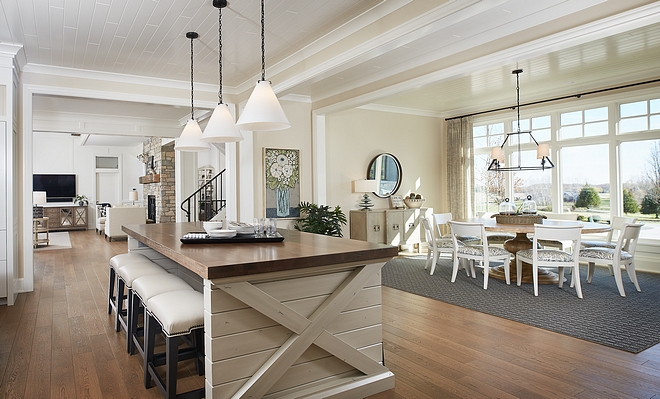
{"type": "Point", "coordinates": [631, 324]}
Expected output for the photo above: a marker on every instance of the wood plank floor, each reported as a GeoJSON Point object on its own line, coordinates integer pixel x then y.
{"type": "Point", "coordinates": [59, 342]}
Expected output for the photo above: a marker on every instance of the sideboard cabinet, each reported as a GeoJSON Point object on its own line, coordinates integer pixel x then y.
{"type": "Point", "coordinates": [400, 227]}
{"type": "Point", "coordinates": [69, 217]}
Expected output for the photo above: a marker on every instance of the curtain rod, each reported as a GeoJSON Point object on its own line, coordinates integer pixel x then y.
{"type": "Point", "coordinates": [555, 99]}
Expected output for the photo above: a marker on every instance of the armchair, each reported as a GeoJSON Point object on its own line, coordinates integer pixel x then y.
{"type": "Point", "coordinates": [118, 216]}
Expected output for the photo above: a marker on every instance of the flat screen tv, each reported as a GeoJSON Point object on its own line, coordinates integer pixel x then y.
{"type": "Point", "coordinates": [58, 188]}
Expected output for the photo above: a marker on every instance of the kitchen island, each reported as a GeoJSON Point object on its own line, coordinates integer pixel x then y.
{"type": "Point", "coordinates": [297, 318]}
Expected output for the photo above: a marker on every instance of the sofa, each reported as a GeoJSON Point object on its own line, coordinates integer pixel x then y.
{"type": "Point", "coordinates": [117, 216]}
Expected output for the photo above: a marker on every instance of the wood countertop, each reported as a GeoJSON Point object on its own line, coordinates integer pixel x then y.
{"type": "Point", "coordinates": [298, 251]}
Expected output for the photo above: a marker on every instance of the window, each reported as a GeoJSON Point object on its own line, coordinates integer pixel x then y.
{"type": "Point", "coordinates": [640, 176]}
{"type": "Point", "coordinates": [584, 123]}
{"type": "Point", "coordinates": [540, 128]}
{"type": "Point", "coordinates": [107, 162]}
{"type": "Point", "coordinates": [639, 116]}
{"type": "Point", "coordinates": [585, 169]}
{"type": "Point", "coordinates": [488, 135]}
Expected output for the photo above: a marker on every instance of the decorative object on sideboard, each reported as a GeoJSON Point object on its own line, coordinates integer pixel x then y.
{"type": "Point", "coordinates": [221, 127]}
{"type": "Point", "coordinates": [542, 150]}
{"type": "Point", "coordinates": [190, 137]}
{"type": "Point", "coordinates": [263, 110]}
{"type": "Point", "coordinates": [396, 202]}
{"type": "Point", "coordinates": [413, 200]}
{"type": "Point", "coordinates": [81, 200]}
{"type": "Point", "coordinates": [38, 199]}
{"type": "Point", "coordinates": [366, 187]}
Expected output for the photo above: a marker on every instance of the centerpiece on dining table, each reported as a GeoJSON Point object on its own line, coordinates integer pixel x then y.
{"type": "Point", "coordinates": [526, 214]}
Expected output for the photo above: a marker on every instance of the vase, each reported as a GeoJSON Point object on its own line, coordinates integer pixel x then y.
{"type": "Point", "coordinates": [282, 197]}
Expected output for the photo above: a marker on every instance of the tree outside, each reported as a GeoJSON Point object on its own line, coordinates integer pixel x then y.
{"type": "Point", "coordinates": [651, 202]}
{"type": "Point", "coordinates": [630, 204]}
{"type": "Point", "coordinates": [588, 198]}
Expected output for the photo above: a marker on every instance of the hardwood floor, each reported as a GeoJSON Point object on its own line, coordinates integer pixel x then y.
{"type": "Point", "coordinates": [59, 342]}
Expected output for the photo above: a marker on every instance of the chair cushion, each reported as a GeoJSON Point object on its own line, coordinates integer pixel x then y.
{"type": "Point", "coordinates": [548, 243]}
{"type": "Point", "coordinates": [101, 220]}
{"type": "Point", "coordinates": [546, 255]}
{"type": "Point", "coordinates": [499, 237]}
{"type": "Point", "coordinates": [478, 251]}
{"type": "Point", "coordinates": [147, 287]}
{"type": "Point", "coordinates": [464, 239]}
{"type": "Point", "coordinates": [133, 271]}
{"type": "Point", "coordinates": [121, 260]}
{"type": "Point", "coordinates": [599, 244]}
{"type": "Point", "coordinates": [446, 243]}
{"type": "Point", "coordinates": [602, 253]}
{"type": "Point", "coordinates": [178, 312]}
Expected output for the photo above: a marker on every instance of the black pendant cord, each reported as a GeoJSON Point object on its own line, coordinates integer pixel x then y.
{"type": "Point", "coordinates": [220, 54]}
{"type": "Point", "coordinates": [263, 44]}
{"type": "Point", "coordinates": [192, 87]}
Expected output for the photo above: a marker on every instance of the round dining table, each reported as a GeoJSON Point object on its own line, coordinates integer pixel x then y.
{"type": "Point", "coordinates": [521, 241]}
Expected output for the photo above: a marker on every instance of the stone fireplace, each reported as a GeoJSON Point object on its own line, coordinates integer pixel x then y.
{"type": "Point", "coordinates": [160, 196]}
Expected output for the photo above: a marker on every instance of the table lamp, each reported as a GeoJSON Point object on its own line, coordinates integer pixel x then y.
{"type": "Point", "coordinates": [38, 198]}
{"type": "Point", "coordinates": [133, 196]}
{"type": "Point", "coordinates": [366, 187]}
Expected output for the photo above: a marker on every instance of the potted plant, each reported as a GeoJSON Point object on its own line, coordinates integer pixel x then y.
{"type": "Point", "coordinates": [81, 200]}
{"type": "Point", "coordinates": [320, 219]}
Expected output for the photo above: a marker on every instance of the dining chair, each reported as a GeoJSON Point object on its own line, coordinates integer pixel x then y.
{"type": "Point", "coordinates": [541, 257]}
{"type": "Point", "coordinates": [443, 219]}
{"type": "Point", "coordinates": [472, 253]}
{"type": "Point", "coordinates": [562, 245]}
{"type": "Point", "coordinates": [617, 226]}
{"type": "Point", "coordinates": [622, 255]}
{"type": "Point", "coordinates": [436, 246]}
{"type": "Point", "coordinates": [497, 237]}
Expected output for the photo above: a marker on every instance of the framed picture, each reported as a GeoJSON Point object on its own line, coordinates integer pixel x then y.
{"type": "Point", "coordinates": [396, 201]}
{"type": "Point", "coordinates": [282, 182]}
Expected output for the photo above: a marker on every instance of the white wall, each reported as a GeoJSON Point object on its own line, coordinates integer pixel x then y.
{"type": "Point", "coordinates": [355, 137]}
{"type": "Point", "coordinates": [62, 153]}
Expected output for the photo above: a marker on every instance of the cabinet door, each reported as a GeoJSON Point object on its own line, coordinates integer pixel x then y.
{"type": "Point", "coordinates": [375, 226]}
{"type": "Point", "coordinates": [53, 215]}
{"type": "Point", "coordinates": [80, 216]}
{"type": "Point", "coordinates": [395, 226]}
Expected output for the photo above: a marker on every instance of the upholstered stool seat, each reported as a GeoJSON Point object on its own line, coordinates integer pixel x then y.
{"type": "Point", "coordinates": [126, 275]}
{"type": "Point", "coordinates": [116, 262]}
{"type": "Point", "coordinates": [145, 288]}
{"type": "Point", "coordinates": [175, 314]}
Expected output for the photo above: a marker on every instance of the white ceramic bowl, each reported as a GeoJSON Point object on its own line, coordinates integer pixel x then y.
{"type": "Point", "coordinates": [414, 203]}
{"type": "Point", "coordinates": [222, 233]}
{"type": "Point", "coordinates": [211, 226]}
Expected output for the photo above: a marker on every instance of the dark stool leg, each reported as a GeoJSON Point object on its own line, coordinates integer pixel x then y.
{"type": "Point", "coordinates": [132, 330]}
{"type": "Point", "coordinates": [172, 356]}
{"type": "Point", "coordinates": [120, 303]}
{"type": "Point", "coordinates": [149, 342]}
{"type": "Point", "coordinates": [111, 290]}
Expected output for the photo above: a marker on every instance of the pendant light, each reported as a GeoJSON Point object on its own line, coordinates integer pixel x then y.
{"type": "Point", "coordinates": [221, 127]}
{"type": "Point", "coordinates": [263, 111]}
{"type": "Point", "coordinates": [189, 139]}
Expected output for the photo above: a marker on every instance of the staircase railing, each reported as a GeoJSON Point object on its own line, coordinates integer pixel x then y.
{"type": "Point", "coordinates": [207, 201]}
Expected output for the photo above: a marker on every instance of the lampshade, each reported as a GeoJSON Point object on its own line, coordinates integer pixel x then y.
{"type": "Point", "coordinates": [365, 186]}
{"type": "Point", "coordinates": [190, 138]}
{"type": "Point", "coordinates": [263, 111]}
{"type": "Point", "coordinates": [543, 150]}
{"type": "Point", "coordinates": [221, 127]}
{"type": "Point", "coordinates": [497, 153]}
{"type": "Point", "coordinates": [38, 197]}
{"type": "Point", "coordinates": [133, 195]}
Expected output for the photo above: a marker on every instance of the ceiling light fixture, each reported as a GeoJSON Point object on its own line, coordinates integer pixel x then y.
{"type": "Point", "coordinates": [263, 111]}
{"type": "Point", "coordinates": [221, 127]}
{"type": "Point", "coordinates": [542, 150]}
{"type": "Point", "coordinates": [189, 139]}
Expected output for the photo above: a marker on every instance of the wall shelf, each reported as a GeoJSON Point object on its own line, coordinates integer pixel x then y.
{"type": "Point", "coordinates": [153, 178]}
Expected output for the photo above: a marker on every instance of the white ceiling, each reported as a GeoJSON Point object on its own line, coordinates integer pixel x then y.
{"type": "Point", "coordinates": [442, 57]}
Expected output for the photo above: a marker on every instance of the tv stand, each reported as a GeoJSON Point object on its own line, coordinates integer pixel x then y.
{"type": "Point", "coordinates": [66, 216]}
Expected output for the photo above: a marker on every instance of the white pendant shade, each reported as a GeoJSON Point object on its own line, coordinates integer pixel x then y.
{"type": "Point", "coordinates": [221, 127]}
{"type": "Point", "coordinates": [497, 153]}
{"type": "Point", "coordinates": [190, 138]}
{"type": "Point", "coordinates": [543, 150]}
{"type": "Point", "coordinates": [263, 111]}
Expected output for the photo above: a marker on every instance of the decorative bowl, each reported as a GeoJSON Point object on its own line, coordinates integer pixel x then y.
{"type": "Point", "coordinates": [414, 203]}
{"type": "Point", "coordinates": [211, 226]}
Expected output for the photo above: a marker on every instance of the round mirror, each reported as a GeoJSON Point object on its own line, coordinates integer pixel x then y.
{"type": "Point", "coordinates": [386, 170]}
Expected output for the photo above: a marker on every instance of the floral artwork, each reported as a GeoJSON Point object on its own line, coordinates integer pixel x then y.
{"type": "Point", "coordinates": [282, 177]}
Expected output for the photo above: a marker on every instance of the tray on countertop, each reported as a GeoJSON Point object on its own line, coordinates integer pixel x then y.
{"type": "Point", "coordinates": [200, 237]}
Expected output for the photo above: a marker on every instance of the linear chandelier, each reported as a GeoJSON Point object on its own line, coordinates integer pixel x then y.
{"type": "Point", "coordinates": [542, 150]}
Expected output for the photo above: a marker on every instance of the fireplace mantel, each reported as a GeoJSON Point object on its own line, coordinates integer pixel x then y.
{"type": "Point", "coordinates": [152, 178]}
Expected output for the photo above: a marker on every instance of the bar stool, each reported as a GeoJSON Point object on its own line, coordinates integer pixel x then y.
{"type": "Point", "coordinates": [145, 288]}
{"type": "Point", "coordinates": [117, 262]}
{"type": "Point", "coordinates": [125, 277]}
{"type": "Point", "coordinates": [177, 314]}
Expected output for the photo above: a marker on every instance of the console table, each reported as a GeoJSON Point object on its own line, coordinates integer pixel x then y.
{"type": "Point", "coordinates": [400, 227]}
{"type": "Point", "coordinates": [66, 217]}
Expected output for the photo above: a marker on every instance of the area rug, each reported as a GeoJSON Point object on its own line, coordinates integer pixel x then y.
{"type": "Point", "coordinates": [631, 324]}
{"type": "Point", "coordinates": [58, 240]}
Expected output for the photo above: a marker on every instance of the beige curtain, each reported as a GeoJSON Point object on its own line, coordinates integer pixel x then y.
{"type": "Point", "coordinates": [460, 170]}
